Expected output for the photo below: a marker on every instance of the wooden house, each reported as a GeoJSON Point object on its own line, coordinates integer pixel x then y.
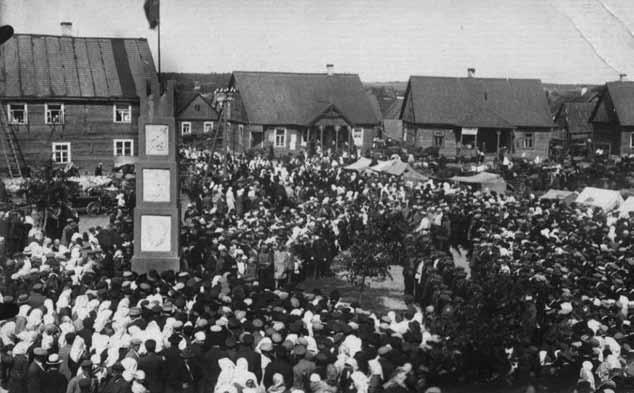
{"type": "Point", "coordinates": [458, 115]}
{"type": "Point", "coordinates": [72, 99]}
{"type": "Point", "coordinates": [573, 118]}
{"type": "Point", "coordinates": [613, 118]}
{"type": "Point", "coordinates": [195, 116]}
{"type": "Point", "coordinates": [299, 111]}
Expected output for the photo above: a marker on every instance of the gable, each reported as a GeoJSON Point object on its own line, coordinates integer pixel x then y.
{"type": "Point", "coordinates": [197, 109]}
{"type": "Point", "coordinates": [621, 95]}
{"type": "Point", "coordinates": [604, 111]}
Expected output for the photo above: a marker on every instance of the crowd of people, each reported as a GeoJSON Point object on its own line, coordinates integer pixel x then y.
{"type": "Point", "coordinates": [546, 292]}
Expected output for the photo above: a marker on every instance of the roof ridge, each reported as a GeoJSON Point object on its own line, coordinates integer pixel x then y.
{"type": "Point", "coordinates": [80, 37]}
{"type": "Point", "coordinates": [292, 73]}
{"type": "Point", "coordinates": [475, 78]}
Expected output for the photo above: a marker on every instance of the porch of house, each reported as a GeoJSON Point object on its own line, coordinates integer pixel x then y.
{"type": "Point", "coordinates": [335, 135]}
{"type": "Point", "coordinates": [487, 140]}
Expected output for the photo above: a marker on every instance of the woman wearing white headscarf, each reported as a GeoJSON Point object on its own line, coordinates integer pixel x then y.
{"type": "Point", "coordinates": [586, 374]}
{"type": "Point", "coordinates": [242, 376]}
{"type": "Point", "coordinates": [225, 378]}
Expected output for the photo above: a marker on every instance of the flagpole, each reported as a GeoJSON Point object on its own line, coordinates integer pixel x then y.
{"type": "Point", "coordinates": [159, 41]}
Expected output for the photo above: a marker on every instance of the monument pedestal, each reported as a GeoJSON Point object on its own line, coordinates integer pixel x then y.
{"type": "Point", "coordinates": [156, 215]}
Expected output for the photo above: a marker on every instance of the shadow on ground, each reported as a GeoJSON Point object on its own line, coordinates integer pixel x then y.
{"type": "Point", "coordinates": [380, 296]}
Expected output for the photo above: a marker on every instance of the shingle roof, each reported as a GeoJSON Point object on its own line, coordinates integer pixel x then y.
{"type": "Point", "coordinates": [271, 98]}
{"type": "Point", "coordinates": [622, 95]}
{"type": "Point", "coordinates": [394, 110]}
{"type": "Point", "coordinates": [575, 116]}
{"type": "Point", "coordinates": [42, 66]}
{"type": "Point", "coordinates": [478, 102]}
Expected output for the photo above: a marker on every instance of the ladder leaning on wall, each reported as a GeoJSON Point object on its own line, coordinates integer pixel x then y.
{"type": "Point", "coordinates": [10, 146]}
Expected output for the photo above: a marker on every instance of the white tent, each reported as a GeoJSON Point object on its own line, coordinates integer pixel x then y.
{"type": "Point", "coordinates": [359, 165]}
{"type": "Point", "coordinates": [627, 207]}
{"type": "Point", "coordinates": [600, 197]}
{"type": "Point", "coordinates": [560, 195]}
{"type": "Point", "coordinates": [490, 181]}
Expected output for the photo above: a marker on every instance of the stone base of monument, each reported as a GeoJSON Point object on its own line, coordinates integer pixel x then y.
{"type": "Point", "coordinates": [142, 265]}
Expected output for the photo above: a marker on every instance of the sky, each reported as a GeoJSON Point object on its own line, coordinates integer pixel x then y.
{"type": "Point", "coordinates": [562, 41]}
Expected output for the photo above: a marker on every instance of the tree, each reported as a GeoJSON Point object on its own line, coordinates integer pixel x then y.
{"type": "Point", "coordinates": [367, 257]}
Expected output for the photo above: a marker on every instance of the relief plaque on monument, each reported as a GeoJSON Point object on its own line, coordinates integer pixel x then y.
{"type": "Point", "coordinates": [156, 232]}
{"type": "Point", "coordinates": [156, 185]}
{"type": "Point", "coordinates": [156, 140]}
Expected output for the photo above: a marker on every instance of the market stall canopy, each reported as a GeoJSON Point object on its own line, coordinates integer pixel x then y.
{"type": "Point", "coordinates": [560, 195]}
{"type": "Point", "coordinates": [120, 161]}
{"type": "Point", "coordinates": [600, 197]}
{"type": "Point", "coordinates": [382, 165]}
{"type": "Point", "coordinates": [487, 180]}
{"type": "Point", "coordinates": [361, 164]}
{"type": "Point", "coordinates": [627, 207]}
{"type": "Point", "coordinates": [86, 182]}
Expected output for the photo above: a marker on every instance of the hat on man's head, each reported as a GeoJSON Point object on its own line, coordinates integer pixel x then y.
{"type": "Point", "coordinates": [53, 360]}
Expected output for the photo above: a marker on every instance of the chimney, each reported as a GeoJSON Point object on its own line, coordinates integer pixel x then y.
{"type": "Point", "coordinates": [330, 68]}
{"type": "Point", "coordinates": [622, 77]}
{"type": "Point", "coordinates": [470, 72]}
{"type": "Point", "coordinates": [67, 28]}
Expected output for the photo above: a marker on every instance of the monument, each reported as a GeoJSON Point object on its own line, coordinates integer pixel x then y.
{"type": "Point", "coordinates": [156, 215]}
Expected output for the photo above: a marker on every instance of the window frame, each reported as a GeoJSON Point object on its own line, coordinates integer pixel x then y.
{"type": "Point", "coordinates": [211, 123]}
{"type": "Point", "coordinates": [123, 141]}
{"type": "Point", "coordinates": [26, 113]}
{"type": "Point", "coordinates": [56, 144]}
{"type": "Point", "coordinates": [46, 112]}
{"type": "Point", "coordinates": [438, 134]}
{"type": "Point", "coordinates": [275, 143]}
{"type": "Point", "coordinates": [528, 136]}
{"type": "Point", "coordinates": [183, 123]}
{"type": "Point", "coordinates": [114, 114]}
{"type": "Point", "coordinates": [632, 140]}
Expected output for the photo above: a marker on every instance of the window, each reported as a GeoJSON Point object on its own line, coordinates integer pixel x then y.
{"type": "Point", "coordinates": [61, 152]}
{"type": "Point", "coordinates": [528, 140]}
{"type": "Point", "coordinates": [54, 113]}
{"type": "Point", "coordinates": [631, 141]}
{"type": "Point", "coordinates": [186, 128]}
{"type": "Point", "coordinates": [280, 137]}
{"type": "Point", "coordinates": [18, 114]}
{"type": "Point", "coordinates": [241, 131]}
{"type": "Point", "coordinates": [197, 107]}
{"type": "Point", "coordinates": [122, 113]}
{"type": "Point", "coordinates": [208, 126]}
{"type": "Point", "coordinates": [439, 139]}
{"type": "Point", "coordinates": [123, 147]}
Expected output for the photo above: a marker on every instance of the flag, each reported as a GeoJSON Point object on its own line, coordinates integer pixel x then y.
{"type": "Point", "coordinates": [151, 8]}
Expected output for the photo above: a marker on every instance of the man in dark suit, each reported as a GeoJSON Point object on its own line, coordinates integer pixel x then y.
{"type": "Point", "coordinates": [115, 383]}
{"type": "Point", "coordinates": [153, 365]}
{"type": "Point", "coordinates": [54, 381]}
{"type": "Point", "coordinates": [35, 373]}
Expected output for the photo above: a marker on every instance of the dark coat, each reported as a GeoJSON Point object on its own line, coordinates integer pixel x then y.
{"type": "Point", "coordinates": [115, 385]}
{"type": "Point", "coordinates": [154, 366]}
{"type": "Point", "coordinates": [17, 377]}
{"type": "Point", "coordinates": [278, 366]}
{"type": "Point", "coordinates": [54, 382]}
{"type": "Point", "coordinates": [35, 378]}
